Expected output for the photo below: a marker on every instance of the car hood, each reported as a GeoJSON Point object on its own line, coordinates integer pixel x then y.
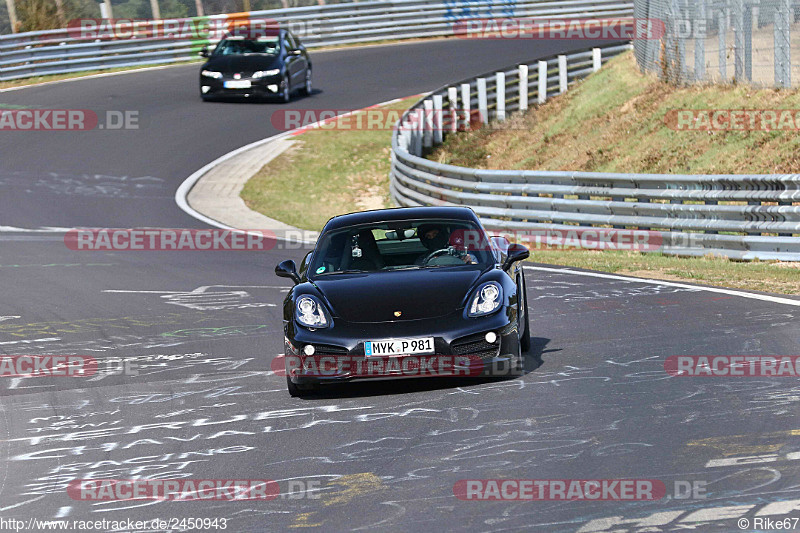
{"type": "Point", "coordinates": [242, 63]}
{"type": "Point", "coordinates": [416, 294]}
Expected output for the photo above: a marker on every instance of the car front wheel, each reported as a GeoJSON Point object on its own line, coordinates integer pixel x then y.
{"type": "Point", "coordinates": [286, 93]}
{"type": "Point", "coordinates": [298, 391]}
{"type": "Point", "coordinates": [308, 87]}
{"type": "Point", "coordinates": [525, 336]}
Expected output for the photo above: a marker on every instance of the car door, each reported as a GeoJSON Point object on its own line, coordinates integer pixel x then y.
{"type": "Point", "coordinates": [296, 64]}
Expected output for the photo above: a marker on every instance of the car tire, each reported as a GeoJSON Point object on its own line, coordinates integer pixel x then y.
{"type": "Point", "coordinates": [308, 86]}
{"type": "Point", "coordinates": [286, 93]}
{"type": "Point", "coordinates": [518, 366]}
{"type": "Point", "coordinates": [525, 338]}
{"type": "Point", "coordinates": [298, 391]}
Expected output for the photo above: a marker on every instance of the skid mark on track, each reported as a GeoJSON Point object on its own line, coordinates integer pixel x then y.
{"type": "Point", "coordinates": [209, 297]}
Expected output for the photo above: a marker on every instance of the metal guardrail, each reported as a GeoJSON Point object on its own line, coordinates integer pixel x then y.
{"type": "Point", "coordinates": [61, 51]}
{"type": "Point", "coordinates": [693, 215]}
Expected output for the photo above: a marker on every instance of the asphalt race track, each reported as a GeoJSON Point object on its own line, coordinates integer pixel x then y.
{"type": "Point", "coordinates": [203, 327]}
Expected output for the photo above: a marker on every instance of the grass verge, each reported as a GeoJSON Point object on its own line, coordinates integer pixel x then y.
{"type": "Point", "coordinates": [331, 172]}
{"type": "Point", "coordinates": [777, 277]}
{"type": "Point", "coordinates": [590, 129]}
{"type": "Point", "coordinates": [334, 170]}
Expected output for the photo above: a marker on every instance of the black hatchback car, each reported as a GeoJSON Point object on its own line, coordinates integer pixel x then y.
{"type": "Point", "coordinates": [406, 292]}
{"type": "Point", "coordinates": [270, 65]}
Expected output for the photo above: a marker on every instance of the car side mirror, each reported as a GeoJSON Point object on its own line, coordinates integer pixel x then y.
{"type": "Point", "coordinates": [203, 52]}
{"type": "Point", "coordinates": [287, 269]}
{"type": "Point", "coordinates": [516, 252]}
{"type": "Point", "coordinates": [295, 52]}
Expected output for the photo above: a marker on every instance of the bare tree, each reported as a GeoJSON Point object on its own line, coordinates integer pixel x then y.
{"type": "Point", "coordinates": [12, 15]}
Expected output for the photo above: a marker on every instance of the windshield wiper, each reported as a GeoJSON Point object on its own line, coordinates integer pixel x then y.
{"type": "Point", "coordinates": [407, 267]}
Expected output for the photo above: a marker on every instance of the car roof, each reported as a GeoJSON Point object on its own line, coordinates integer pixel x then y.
{"type": "Point", "coordinates": [281, 32]}
{"type": "Point", "coordinates": [401, 213]}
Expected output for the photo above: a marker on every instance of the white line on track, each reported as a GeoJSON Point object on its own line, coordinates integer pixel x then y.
{"type": "Point", "coordinates": [731, 292]}
{"type": "Point", "coordinates": [94, 76]}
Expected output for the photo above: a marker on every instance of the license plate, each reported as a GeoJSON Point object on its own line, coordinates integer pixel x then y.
{"type": "Point", "coordinates": [391, 347]}
{"type": "Point", "coordinates": [237, 84]}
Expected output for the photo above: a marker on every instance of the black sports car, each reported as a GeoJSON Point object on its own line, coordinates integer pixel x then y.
{"type": "Point", "coordinates": [391, 293]}
{"type": "Point", "coordinates": [264, 66]}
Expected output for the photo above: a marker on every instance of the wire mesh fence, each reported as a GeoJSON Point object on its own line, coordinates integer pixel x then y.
{"type": "Point", "coordinates": [746, 41]}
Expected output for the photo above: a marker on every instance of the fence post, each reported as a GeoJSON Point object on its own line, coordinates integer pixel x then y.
{"type": "Point", "coordinates": [542, 97]}
{"type": "Point", "coordinates": [782, 45]}
{"type": "Point", "coordinates": [738, 40]}
{"type": "Point", "coordinates": [562, 74]}
{"type": "Point", "coordinates": [437, 118]}
{"type": "Point", "coordinates": [500, 87]}
{"type": "Point", "coordinates": [483, 106]}
{"type": "Point", "coordinates": [747, 26]}
{"type": "Point", "coordinates": [597, 60]}
{"type": "Point", "coordinates": [523, 87]}
{"type": "Point", "coordinates": [680, 43]}
{"type": "Point", "coordinates": [452, 100]}
{"type": "Point", "coordinates": [427, 121]}
{"type": "Point", "coordinates": [722, 30]}
{"type": "Point", "coordinates": [700, 41]}
{"type": "Point", "coordinates": [466, 102]}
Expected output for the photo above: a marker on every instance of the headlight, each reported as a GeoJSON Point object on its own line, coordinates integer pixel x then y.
{"type": "Point", "coordinates": [211, 74]}
{"type": "Point", "coordinates": [310, 313]}
{"type": "Point", "coordinates": [486, 299]}
{"type": "Point", "coordinates": [265, 73]}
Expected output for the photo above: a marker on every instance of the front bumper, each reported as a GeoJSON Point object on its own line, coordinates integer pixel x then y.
{"type": "Point", "coordinates": [455, 339]}
{"type": "Point", "coordinates": [259, 87]}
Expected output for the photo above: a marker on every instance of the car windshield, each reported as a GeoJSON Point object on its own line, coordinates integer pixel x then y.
{"type": "Point", "coordinates": [401, 245]}
{"type": "Point", "coordinates": [228, 47]}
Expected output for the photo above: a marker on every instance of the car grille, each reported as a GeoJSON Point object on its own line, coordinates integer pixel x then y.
{"type": "Point", "coordinates": [328, 349]}
{"type": "Point", "coordinates": [475, 346]}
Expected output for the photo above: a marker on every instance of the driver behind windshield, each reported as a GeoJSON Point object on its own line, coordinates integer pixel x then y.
{"type": "Point", "coordinates": [435, 237]}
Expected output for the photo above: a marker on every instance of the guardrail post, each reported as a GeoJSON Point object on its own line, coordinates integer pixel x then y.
{"type": "Point", "coordinates": [466, 103]}
{"type": "Point", "coordinates": [452, 100]}
{"type": "Point", "coordinates": [597, 59]}
{"type": "Point", "coordinates": [437, 118]}
{"type": "Point", "coordinates": [500, 86]}
{"type": "Point", "coordinates": [562, 74]}
{"type": "Point", "coordinates": [523, 87]}
{"type": "Point", "coordinates": [427, 124]}
{"type": "Point", "coordinates": [483, 106]}
{"type": "Point", "coordinates": [419, 132]}
{"type": "Point", "coordinates": [542, 96]}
